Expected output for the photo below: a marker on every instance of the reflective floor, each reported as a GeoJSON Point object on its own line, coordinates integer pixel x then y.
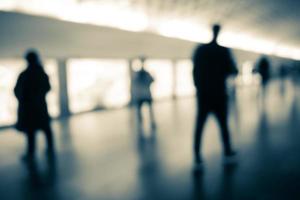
{"type": "Point", "coordinates": [102, 155]}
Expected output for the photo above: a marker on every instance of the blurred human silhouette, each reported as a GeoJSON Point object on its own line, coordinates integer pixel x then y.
{"type": "Point", "coordinates": [263, 68]}
{"type": "Point", "coordinates": [212, 65]}
{"type": "Point", "coordinates": [141, 93]}
{"type": "Point", "coordinates": [30, 90]}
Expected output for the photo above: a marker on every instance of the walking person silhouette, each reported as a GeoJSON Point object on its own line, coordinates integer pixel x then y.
{"type": "Point", "coordinates": [30, 91]}
{"type": "Point", "coordinates": [212, 65]}
{"type": "Point", "coordinates": [141, 94]}
{"type": "Point", "coordinates": [263, 68]}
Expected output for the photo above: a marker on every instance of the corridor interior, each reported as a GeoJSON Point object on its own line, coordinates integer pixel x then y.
{"type": "Point", "coordinates": [102, 155]}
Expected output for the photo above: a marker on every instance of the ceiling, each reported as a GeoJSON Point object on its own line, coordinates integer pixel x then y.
{"type": "Point", "coordinates": [266, 26]}
{"type": "Point", "coordinates": [55, 38]}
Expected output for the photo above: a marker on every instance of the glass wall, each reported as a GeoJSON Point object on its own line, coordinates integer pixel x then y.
{"type": "Point", "coordinates": [9, 72]}
{"type": "Point", "coordinates": [184, 78]}
{"type": "Point", "coordinates": [162, 72]}
{"type": "Point", "coordinates": [51, 69]}
{"type": "Point", "coordinates": [97, 83]}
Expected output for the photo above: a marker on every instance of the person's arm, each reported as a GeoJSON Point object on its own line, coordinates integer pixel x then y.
{"type": "Point", "coordinates": [196, 58]}
{"type": "Point", "coordinates": [152, 79]}
{"type": "Point", "coordinates": [18, 90]}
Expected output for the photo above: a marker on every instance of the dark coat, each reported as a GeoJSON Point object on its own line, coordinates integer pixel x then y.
{"type": "Point", "coordinates": [212, 65]}
{"type": "Point", "coordinates": [30, 90]}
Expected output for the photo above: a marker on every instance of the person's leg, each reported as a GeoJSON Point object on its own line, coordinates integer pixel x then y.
{"type": "Point", "coordinates": [30, 148]}
{"type": "Point", "coordinates": [221, 115]}
{"type": "Point", "coordinates": [151, 112]}
{"type": "Point", "coordinates": [264, 91]}
{"type": "Point", "coordinates": [139, 117]}
{"type": "Point", "coordinates": [49, 138]}
{"type": "Point", "coordinates": [139, 112]}
{"type": "Point", "coordinates": [30, 143]}
{"type": "Point", "coordinates": [202, 113]}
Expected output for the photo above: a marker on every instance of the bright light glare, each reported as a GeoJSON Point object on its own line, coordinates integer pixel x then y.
{"type": "Point", "coordinates": [184, 30]}
{"type": "Point", "coordinates": [162, 72]}
{"type": "Point", "coordinates": [7, 5]}
{"type": "Point", "coordinates": [51, 69]}
{"type": "Point", "coordinates": [246, 75]}
{"type": "Point", "coordinates": [184, 78]}
{"type": "Point", "coordinates": [104, 13]}
{"type": "Point", "coordinates": [246, 42]}
{"type": "Point", "coordinates": [96, 83]}
{"type": "Point", "coordinates": [9, 71]}
{"type": "Point", "coordinates": [127, 16]}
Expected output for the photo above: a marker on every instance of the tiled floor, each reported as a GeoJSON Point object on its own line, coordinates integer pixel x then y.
{"type": "Point", "coordinates": [100, 155]}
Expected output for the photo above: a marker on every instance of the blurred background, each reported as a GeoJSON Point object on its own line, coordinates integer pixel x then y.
{"type": "Point", "coordinates": [90, 50]}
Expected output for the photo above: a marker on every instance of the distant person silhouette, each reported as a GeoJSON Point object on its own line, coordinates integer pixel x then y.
{"type": "Point", "coordinates": [263, 68]}
{"type": "Point", "coordinates": [141, 93]}
{"type": "Point", "coordinates": [212, 65]}
{"type": "Point", "coordinates": [30, 90]}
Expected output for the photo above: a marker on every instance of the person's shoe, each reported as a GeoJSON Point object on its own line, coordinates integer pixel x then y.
{"type": "Point", "coordinates": [198, 165]}
{"type": "Point", "coordinates": [50, 153]}
{"type": "Point", "coordinates": [230, 153]}
{"type": "Point", "coordinates": [230, 157]}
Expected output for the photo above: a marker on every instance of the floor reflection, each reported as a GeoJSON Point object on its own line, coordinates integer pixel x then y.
{"type": "Point", "coordinates": [102, 156]}
{"type": "Point", "coordinates": [198, 185]}
{"type": "Point", "coordinates": [42, 179]}
{"type": "Point", "coordinates": [227, 182]}
{"type": "Point", "coordinates": [150, 170]}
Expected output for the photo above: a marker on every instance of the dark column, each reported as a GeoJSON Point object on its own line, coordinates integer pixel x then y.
{"type": "Point", "coordinates": [174, 76]}
{"type": "Point", "coordinates": [130, 61]}
{"type": "Point", "coordinates": [63, 88]}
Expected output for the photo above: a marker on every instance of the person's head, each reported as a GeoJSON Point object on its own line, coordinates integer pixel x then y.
{"type": "Point", "coordinates": [32, 57]}
{"type": "Point", "coordinates": [142, 59]}
{"type": "Point", "coordinates": [216, 30]}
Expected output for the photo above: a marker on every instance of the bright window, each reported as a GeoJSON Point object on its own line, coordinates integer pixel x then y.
{"type": "Point", "coordinates": [162, 72]}
{"type": "Point", "coordinates": [184, 78]}
{"type": "Point", "coordinates": [97, 83]}
{"type": "Point", "coordinates": [53, 96]}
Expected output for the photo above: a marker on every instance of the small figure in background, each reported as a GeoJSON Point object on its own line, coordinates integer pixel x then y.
{"type": "Point", "coordinates": [141, 93]}
{"type": "Point", "coordinates": [263, 68]}
{"type": "Point", "coordinates": [30, 91]}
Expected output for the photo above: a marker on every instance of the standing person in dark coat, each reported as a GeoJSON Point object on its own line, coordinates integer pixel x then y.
{"type": "Point", "coordinates": [212, 65]}
{"type": "Point", "coordinates": [30, 90]}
